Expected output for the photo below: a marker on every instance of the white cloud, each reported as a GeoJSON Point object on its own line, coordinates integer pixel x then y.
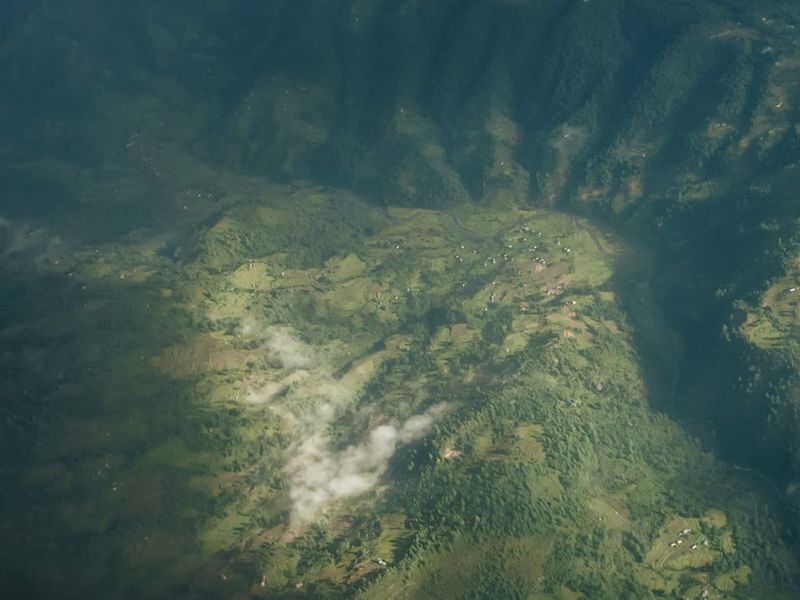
{"type": "Point", "coordinates": [291, 352]}
{"type": "Point", "coordinates": [266, 393]}
{"type": "Point", "coordinates": [319, 475]}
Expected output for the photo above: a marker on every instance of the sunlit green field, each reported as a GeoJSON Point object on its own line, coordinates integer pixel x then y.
{"type": "Point", "coordinates": [309, 397]}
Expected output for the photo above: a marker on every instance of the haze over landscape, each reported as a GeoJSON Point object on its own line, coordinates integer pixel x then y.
{"type": "Point", "coordinates": [400, 299]}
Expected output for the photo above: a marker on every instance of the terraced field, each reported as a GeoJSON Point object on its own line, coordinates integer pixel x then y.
{"type": "Point", "coordinates": [374, 402]}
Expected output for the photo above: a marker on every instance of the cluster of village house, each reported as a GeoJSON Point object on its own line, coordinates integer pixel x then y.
{"type": "Point", "coordinates": [684, 534]}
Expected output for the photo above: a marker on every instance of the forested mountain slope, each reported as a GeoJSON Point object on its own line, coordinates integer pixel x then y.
{"type": "Point", "coordinates": [673, 127]}
{"type": "Point", "coordinates": [675, 122]}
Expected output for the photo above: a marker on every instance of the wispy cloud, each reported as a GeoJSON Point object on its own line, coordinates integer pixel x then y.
{"type": "Point", "coordinates": [320, 475]}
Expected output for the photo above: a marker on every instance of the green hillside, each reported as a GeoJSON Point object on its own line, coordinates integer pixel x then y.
{"type": "Point", "coordinates": [400, 299]}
